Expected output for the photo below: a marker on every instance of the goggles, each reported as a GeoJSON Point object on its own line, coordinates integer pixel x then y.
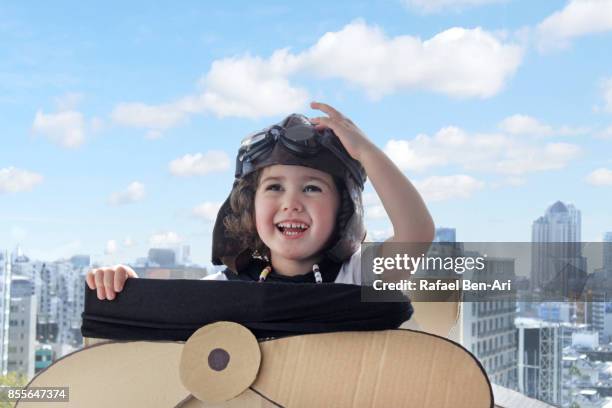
{"type": "Point", "coordinates": [302, 140]}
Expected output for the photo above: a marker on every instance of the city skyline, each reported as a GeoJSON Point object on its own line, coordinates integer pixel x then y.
{"type": "Point", "coordinates": [119, 139]}
{"type": "Point", "coordinates": [183, 253]}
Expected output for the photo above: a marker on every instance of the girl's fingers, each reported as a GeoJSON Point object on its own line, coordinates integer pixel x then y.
{"type": "Point", "coordinates": [130, 272]}
{"type": "Point", "coordinates": [121, 275]}
{"type": "Point", "coordinates": [332, 112]}
{"type": "Point", "coordinates": [109, 277]}
{"type": "Point", "coordinates": [99, 280]}
{"type": "Point", "coordinates": [322, 122]}
{"type": "Point", "coordinates": [109, 281]}
{"type": "Point", "coordinates": [89, 278]}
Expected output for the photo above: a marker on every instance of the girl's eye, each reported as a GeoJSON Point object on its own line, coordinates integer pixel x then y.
{"type": "Point", "coordinates": [273, 187]}
{"type": "Point", "coordinates": [312, 188]}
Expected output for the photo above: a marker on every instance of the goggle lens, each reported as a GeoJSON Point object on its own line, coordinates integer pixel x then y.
{"type": "Point", "coordinates": [253, 139]}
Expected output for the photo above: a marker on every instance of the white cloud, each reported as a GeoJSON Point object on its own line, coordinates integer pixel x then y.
{"type": "Point", "coordinates": [605, 134]}
{"type": "Point", "coordinates": [600, 177]}
{"type": "Point", "coordinates": [440, 188]}
{"type": "Point", "coordinates": [165, 239]}
{"type": "Point", "coordinates": [14, 180]}
{"type": "Point", "coordinates": [370, 198]}
{"type": "Point", "coordinates": [528, 125]}
{"type": "Point", "coordinates": [207, 210]}
{"type": "Point", "coordinates": [134, 192]}
{"type": "Point", "coordinates": [69, 101]}
{"type": "Point", "coordinates": [128, 242]}
{"type": "Point", "coordinates": [509, 181]}
{"type": "Point", "coordinates": [18, 233]}
{"type": "Point", "coordinates": [497, 153]}
{"type": "Point", "coordinates": [552, 156]}
{"type": "Point", "coordinates": [250, 87]}
{"type": "Point", "coordinates": [576, 19]}
{"type": "Point", "coordinates": [458, 62]}
{"type": "Point", "coordinates": [434, 6]}
{"type": "Point", "coordinates": [200, 164]}
{"type": "Point", "coordinates": [65, 128]}
{"type": "Point", "coordinates": [153, 134]}
{"type": "Point", "coordinates": [606, 87]}
{"type": "Point", "coordinates": [379, 235]}
{"type": "Point", "coordinates": [111, 247]}
{"type": "Point", "coordinates": [96, 124]}
{"type": "Point", "coordinates": [141, 115]}
{"type": "Point", "coordinates": [375, 212]}
{"type": "Point", "coordinates": [62, 251]}
{"type": "Point", "coordinates": [418, 154]}
{"type": "Point", "coordinates": [523, 124]}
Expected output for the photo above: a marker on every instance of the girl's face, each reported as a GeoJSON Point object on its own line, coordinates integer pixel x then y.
{"type": "Point", "coordinates": [295, 211]}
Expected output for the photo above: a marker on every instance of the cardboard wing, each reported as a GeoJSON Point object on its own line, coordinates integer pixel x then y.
{"type": "Point", "coordinates": [223, 365]}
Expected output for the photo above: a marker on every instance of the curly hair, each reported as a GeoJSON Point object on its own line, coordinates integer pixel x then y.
{"type": "Point", "coordinates": [241, 224]}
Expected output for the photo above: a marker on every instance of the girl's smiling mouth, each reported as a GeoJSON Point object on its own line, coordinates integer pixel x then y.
{"type": "Point", "coordinates": [292, 229]}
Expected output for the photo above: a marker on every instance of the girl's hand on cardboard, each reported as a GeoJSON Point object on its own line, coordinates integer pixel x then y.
{"type": "Point", "coordinates": [353, 139]}
{"type": "Point", "coordinates": [109, 280]}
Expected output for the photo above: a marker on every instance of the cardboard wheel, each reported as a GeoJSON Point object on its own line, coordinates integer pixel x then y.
{"type": "Point", "coordinates": [219, 361]}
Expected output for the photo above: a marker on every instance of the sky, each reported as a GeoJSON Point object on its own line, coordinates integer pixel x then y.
{"type": "Point", "coordinates": [120, 121]}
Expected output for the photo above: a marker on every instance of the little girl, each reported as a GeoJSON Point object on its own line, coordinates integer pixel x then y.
{"type": "Point", "coordinates": [295, 213]}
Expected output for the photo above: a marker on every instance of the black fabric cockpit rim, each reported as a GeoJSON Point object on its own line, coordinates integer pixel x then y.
{"type": "Point", "coordinates": [154, 309]}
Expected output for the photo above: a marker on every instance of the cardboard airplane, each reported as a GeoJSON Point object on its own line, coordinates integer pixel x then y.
{"type": "Point", "coordinates": [223, 364]}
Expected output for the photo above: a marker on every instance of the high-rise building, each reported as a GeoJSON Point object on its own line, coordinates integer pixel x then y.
{"type": "Point", "coordinates": [22, 326]}
{"type": "Point", "coordinates": [48, 305]}
{"type": "Point", "coordinates": [5, 303]}
{"type": "Point", "coordinates": [607, 255]}
{"type": "Point", "coordinates": [488, 327]}
{"type": "Point", "coordinates": [185, 255]}
{"type": "Point", "coordinates": [540, 346]}
{"type": "Point", "coordinates": [561, 223]}
{"type": "Point", "coordinates": [546, 352]}
{"type": "Point", "coordinates": [445, 235]}
{"type": "Point", "coordinates": [556, 246]}
{"type": "Point", "coordinates": [81, 261]}
{"type": "Point", "coordinates": [162, 257]}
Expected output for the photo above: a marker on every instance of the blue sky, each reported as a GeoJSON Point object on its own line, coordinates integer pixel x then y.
{"type": "Point", "coordinates": [120, 122]}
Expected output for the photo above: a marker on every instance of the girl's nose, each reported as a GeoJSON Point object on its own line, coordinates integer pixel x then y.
{"type": "Point", "coordinates": [292, 203]}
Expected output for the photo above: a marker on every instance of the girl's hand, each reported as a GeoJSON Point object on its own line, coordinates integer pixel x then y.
{"type": "Point", "coordinates": [109, 280]}
{"type": "Point", "coordinates": [353, 139]}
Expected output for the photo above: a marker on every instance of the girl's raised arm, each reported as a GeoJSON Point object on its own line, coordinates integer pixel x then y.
{"type": "Point", "coordinates": [407, 212]}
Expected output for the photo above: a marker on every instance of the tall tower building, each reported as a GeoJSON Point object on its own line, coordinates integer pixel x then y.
{"type": "Point", "coordinates": [607, 254]}
{"type": "Point", "coordinates": [5, 304]}
{"type": "Point", "coordinates": [488, 328]}
{"type": "Point", "coordinates": [561, 223]}
{"type": "Point", "coordinates": [22, 326]}
{"type": "Point", "coordinates": [445, 235]}
{"type": "Point", "coordinates": [556, 244]}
